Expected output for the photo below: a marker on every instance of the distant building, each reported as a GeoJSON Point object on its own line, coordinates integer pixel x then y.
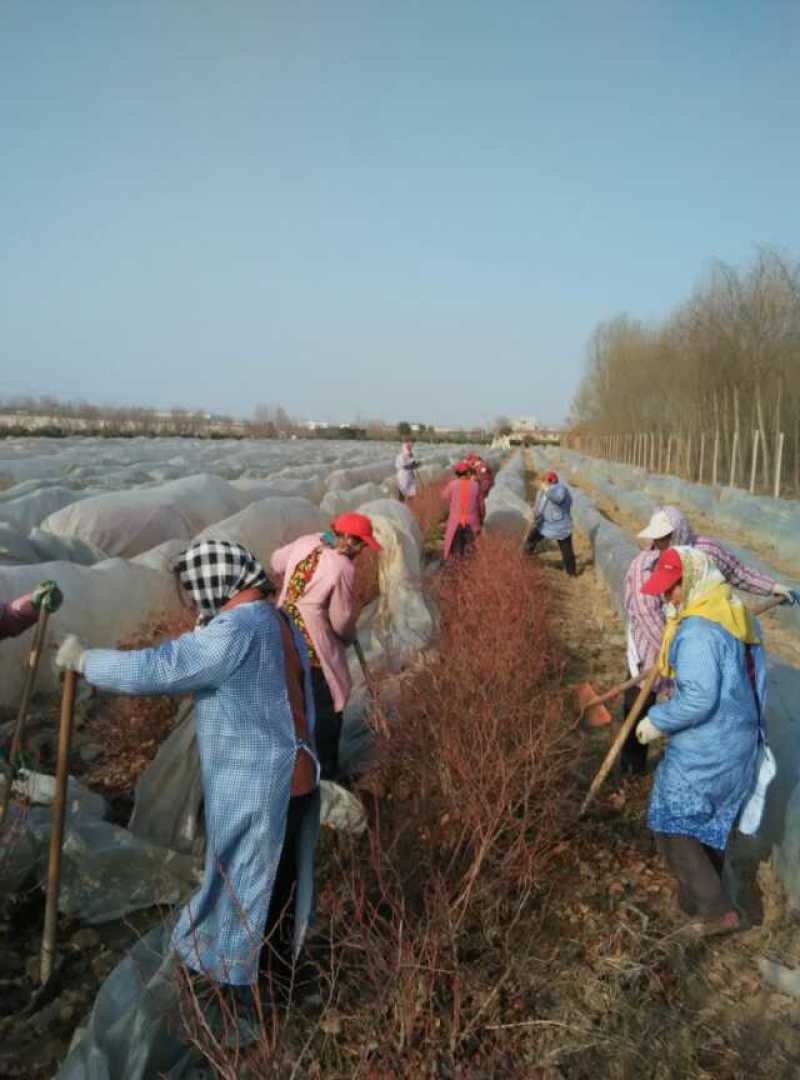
{"type": "Point", "coordinates": [525, 424]}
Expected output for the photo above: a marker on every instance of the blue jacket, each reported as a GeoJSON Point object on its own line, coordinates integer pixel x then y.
{"type": "Point", "coordinates": [712, 720]}
{"type": "Point", "coordinates": [247, 744]}
{"type": "Point", "coordinates": [552, 512]}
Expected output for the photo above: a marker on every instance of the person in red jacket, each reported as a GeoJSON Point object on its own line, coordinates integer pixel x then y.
{"type": "Point", "coordinates": [467, 511]}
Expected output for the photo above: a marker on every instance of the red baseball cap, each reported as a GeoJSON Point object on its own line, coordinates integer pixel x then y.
{"type": "Point", "coordinates": [359, 526]}
{"type": "Point", "coordinates": [551, 478]}
{"type": "Point", "coordinates": [462, 467]}
{"type": "Point", "coordinates": [667, 572]}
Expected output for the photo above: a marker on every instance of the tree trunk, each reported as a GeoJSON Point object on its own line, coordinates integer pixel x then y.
{"type": "Point", "coordinates": [763, 432]}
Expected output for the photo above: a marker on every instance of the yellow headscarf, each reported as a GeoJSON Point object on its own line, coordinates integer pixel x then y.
{"type": "Point", "coordinates": [706, 594]}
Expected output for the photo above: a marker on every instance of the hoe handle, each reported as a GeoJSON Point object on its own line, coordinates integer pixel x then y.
{"type": "Point", "coordinates": [57, 834]}
{"type": "Point", "coordinates": [633, 715]}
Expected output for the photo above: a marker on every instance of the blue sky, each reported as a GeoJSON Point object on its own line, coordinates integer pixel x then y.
{"type": "Point", "coordinates": [413, 210]}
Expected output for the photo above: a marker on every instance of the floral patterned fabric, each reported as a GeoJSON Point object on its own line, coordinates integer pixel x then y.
{"type": "Point", "coordinates": [298, 583]}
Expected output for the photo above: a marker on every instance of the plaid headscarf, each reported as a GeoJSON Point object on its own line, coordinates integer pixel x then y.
{"type": "Point", "coordinates": [214, 571]}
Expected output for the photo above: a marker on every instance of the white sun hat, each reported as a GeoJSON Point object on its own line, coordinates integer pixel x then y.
{"type": "Point", "coordinates": [657, 528]}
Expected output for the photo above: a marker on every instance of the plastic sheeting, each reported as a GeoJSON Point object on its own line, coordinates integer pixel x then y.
{"type": "Point", "coordinates": [342, 502]}
{"type": "Point", "coordinates": [506, 507]}
{"type": "Point", "coordinates": [103, 604]}
{"type": "Point", "coordinates": [127, 523]}
{"type": "Point", "coordinates": [774, 523]}
{"type": "Point", "coordinates": [611, 484]}
{"type": "Point", "coordinates": [107, 872]}
{"type": "Point", "coordinates": [400, 621]}
{"type": "Point", "coordinates": [133, 1028]}
{"type": "Point", "coordinates": [169, 792]}
{"type": "Point", "coordinates": [268, 524]}
{"type": "Point", "coordinates": [30, 508]}
{"type": "Point", "coordinates": [780, 826]}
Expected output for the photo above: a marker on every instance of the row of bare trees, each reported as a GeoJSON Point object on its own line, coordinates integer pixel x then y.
{"type": "Point", "coordinates": [722, 370]}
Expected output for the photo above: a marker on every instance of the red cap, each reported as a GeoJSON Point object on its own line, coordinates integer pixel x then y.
{"type": "Point", "coordinates": [462, 467]}
{"type": "Point", "coordinates": [359, 526]}
{"type": "Point", "coordinates": [551, 478]}
{"type": "Point", "coordinates": [667, 572]}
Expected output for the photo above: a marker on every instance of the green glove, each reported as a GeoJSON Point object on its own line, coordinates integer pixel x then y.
{"type": "Point", "coordinates": [48, 596]}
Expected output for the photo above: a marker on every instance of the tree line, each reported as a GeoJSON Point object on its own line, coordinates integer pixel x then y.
{"type": "Point", "coordinates": [722, 369]}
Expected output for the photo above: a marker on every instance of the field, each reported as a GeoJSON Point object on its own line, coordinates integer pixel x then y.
{"type": "Point", "coordinates": [479, 928]}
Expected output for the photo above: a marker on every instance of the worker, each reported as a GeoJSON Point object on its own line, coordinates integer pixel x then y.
{"type": "Point", "coordinates": [669, 527]}
{"type": "Point", "coordinates": [318, 572]}
{"type": "Point", "coordinates": [406, 467]}
{"type": "Point", "coordinates": [254, 719]}
{"type": "Point", "coordinates": [466, 511]}
{"type": "Point", "coordinates": [483, 474]}
{"type": "Point", "coordinates": [712, 650]}
{"type": "Point", "coordinates": [22, 613]}
{"type": "Point", "coordinates": [552, 520]}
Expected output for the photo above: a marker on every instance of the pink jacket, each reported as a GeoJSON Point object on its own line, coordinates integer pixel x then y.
{"type": "Point", "coordinates": [326, 607]}
{"type": "Point", "coordinates": [474, 508]}
{"type": "Point", "coordinates": [17, 616]}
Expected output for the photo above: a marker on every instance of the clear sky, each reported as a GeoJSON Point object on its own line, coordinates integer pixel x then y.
{"type": "Point", "coordinates": [414, 209]}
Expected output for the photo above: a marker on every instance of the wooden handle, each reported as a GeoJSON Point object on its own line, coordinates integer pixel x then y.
{"type": "Point", "coordinates": [59, 818]}
{"type": "Point", "coordinates": [27, 691]}
{"type": "Point", "coordinates": [622, 735]}
{"type": "Point", "coordinates": [615, 691]}
{"type": "Point", "coordinates": [633, 715]}
{"type": "Point", "coordinates": [30, 678]}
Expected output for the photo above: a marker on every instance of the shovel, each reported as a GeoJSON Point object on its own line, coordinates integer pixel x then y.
{"type": "Point", "coordinates": [57, 833]}
{"type": "Point", "coordinates": [34, 656]}
{"type": "Point", "coordinates": [649, 677]}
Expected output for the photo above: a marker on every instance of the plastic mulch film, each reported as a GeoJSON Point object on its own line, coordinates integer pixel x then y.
{"type": "Point", "coordinates": [126, 523]}
{"type": "Point", "coordinates": [618, 485]}
{"type": "Point", "coordinates": [774, 523]}
{"type": "Point", "coordinates": [506, 507]}
{"type": "Point", "coordinates": [133, 1030]}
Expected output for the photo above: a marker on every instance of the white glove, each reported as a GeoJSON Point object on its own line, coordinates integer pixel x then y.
{"type": "Point", "coordinates": [789, 595]}
{"type": "Point", "coordinates": [647, 732]}
{"type": "Point", "coordinates": [71, 654]}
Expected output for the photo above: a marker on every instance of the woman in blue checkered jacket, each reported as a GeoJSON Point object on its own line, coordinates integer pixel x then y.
{"type": "Point", "coordinates": [248, 669]}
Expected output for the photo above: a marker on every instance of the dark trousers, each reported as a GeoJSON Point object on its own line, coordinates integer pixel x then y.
{"type": "Point", "coordinates": [567, 553]}
{"type": "Point", "coordinates": [463, 539]}
{"type": "Point", "coordinates": [329, 726]}
{"type": "Point", "coordinates": [633, 758]}
{"type": "Point", "coordinates": [698, 869]}
{"type": "Point", "coordinates": [276, 954]}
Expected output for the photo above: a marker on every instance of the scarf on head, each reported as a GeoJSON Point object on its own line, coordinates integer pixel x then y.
{"type": "Point", "coordinates": [707, 595]}
{"type": "Point", "coordinates": [681, 529]}
{"type": "Point", "coordinates": [214, 571]}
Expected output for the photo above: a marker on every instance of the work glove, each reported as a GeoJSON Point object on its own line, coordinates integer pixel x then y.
{"type": "Point", "coordinates": [790, 596]}
{"type": "Point", "coordinates": [71, 655]}
{"type": "Point", "coordinates": [647, 732]}
{"type": "Point", "coordinates": [47, 595]}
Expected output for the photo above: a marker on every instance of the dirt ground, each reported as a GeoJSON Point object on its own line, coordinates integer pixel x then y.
{"type": "Point", "coordinates": [608, 989]}
{"type": "Point", "coordinates": [641, 1002]}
